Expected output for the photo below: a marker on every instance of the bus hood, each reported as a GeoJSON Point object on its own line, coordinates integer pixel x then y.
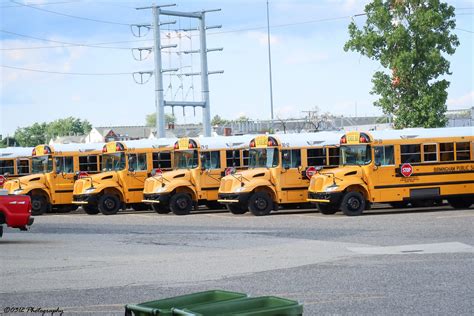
{"type": "Point", "coordinates": [92, 183]}
{"type": "Point", "coordinates": [167, 181]}
{"type": "Point", "coordinates": [330, 180]}
{"type": "Point", "coordinates": [13, 186]}
{"type": "Point", "coordinates": [245, 180]}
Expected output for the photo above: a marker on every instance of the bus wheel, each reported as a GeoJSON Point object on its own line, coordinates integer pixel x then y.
{"type": "Point", "coordinates": [91, 209]}
{"type": "Point", "coordinates": [460, 203]}
{"type": "Point", "coordinates": [181, 204]}
{"type": "Point", "coordinates": [260, 204]}
{"type": "Point", "coordinates": [399, 204]}
{"type": "Point", "coordinates": [160, 209]}
{"type": "Point", "coordinates": [236, 209]}
{"type": "Point", "coordinates": [1, 231]}
{"type": "Point", "coordinates": [326, 209]}
{"type": "Point", "coordinates": [39, 205]}
{"type": "Point", "coordinates": [109, 204]}
{"type": "Point", "coordinates": [353, 204]}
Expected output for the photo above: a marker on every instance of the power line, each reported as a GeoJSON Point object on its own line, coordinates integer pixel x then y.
{"type": "Point", "coordinates": [40, 4]}
{"type": "Point", "coordinates": [70, 15]}
{"type": "Point", "coordinates": [59, 42]}
{"type": "Point", "coordinates": [67, 73]}
{"type": "Point", "coordinates": [464, 30]}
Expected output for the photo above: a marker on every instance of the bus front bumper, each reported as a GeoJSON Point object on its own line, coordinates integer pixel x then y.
{"type": "Point", "coordinates": [162, 198]}
{"type": "Point", "coordinates": [83, 199]}
{"type": "Point", "coordinates": [325, 197]}
{"type": "Point", "coordinates": [233, 198]}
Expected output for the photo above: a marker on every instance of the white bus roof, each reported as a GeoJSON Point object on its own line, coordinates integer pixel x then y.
{"type": "Point", "coordinates": [77, 147]}
{"type": "Point", "coordinates": [325, 138]}
{"type": "Point", "coordinates": [224, 142]}
{"type": "Point", "coordinates": [14, 152]}
{"type": "Point", "coordinates": [149, 143]}
{"type": "Point", "coordinates": [416, 133]}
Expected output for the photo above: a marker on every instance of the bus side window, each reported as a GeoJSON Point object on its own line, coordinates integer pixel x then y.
{"type": "Point", "coordinates": [245, 158]}
{"type": "Point", "coordinates": [23, 166]}
{"type": "Point", "coordinates": [211, 160]}
{"type": "Point", "coordinates": [446, 151]}
{"type": "Point", "coordinates": [317, 157]}
{"type": "Point", "coordinates": [59, 164]}
{"type": "Point", "coordinates": [161, 160]}
{"type": "Point", "coordinates": [141, 162]}
{"type": "Point", "coordinates": [232, 158]}
{"type": "Point", "coordinates": [6, 166]}
{"type": "Point", "coordinates": [384, 155]}
{"type": "Point", "coordinates": [334, 154]}
{"type": "Point", "coordinates": [88, 163]}
{"type": "Point", "coordinates": [291, 158]}
{"type": "Point", "coordinates": [410, 153]}
{"type": "Point", "coordinates": [68, 165]}
{"type": "Point", "coordinates": [430, 152]}
{"type": "Point", "coordinates": [463, 151]}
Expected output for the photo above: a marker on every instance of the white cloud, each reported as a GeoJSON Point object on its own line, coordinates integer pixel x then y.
{"type": "Point", "coordinates": [464, 101]}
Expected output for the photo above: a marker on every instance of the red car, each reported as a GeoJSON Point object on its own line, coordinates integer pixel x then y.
{"type": "Point", "coordinates": [15, 211]}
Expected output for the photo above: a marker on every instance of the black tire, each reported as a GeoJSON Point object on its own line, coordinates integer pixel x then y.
{"type": "Point", "coordinates": [161, 209]}
{"type": "Point", "coordinates": [214, 205]}
{"type": "Point", "coordinates": [399, 204]}
{"type": "Point", "coordinates": [140, 207]}
{"type": "Point", "coordinates": [109, 204]}
{"type": "Point", "coordinates": [91, 209]}
{"type": "Point", "coordinates": [1, 231]}
{"type": "Point", "coordinates": [353, 204]}
{"type": "Point", "coordinates": [236, 209]}
{"type": "Point", "coordinates": [326, 209]}
{"type": "Point", "coordinates": [460, 203]}
{"type": "Point", "coordinates": [181, 204]}
{"type": "Point", "coordinates": [39, 205]}
{"type": "Point", "coordinates": [260, 204]}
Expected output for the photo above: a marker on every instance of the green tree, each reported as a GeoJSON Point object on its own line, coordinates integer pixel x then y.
{"type": "Point", "coordinates": [42, 133]}
{"type": "Point", "coordinates": [217, 120]}
{"type": "Point", "coordinates": [151, 119]}
{"type": "Point", "coordinates": [410, 39]}
{"type": "Point", "coordinates": [8, 142]}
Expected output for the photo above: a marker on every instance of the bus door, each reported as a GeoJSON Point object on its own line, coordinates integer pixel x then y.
{"type": "Point", "coordinates": [211, 173]}
{"type": "Point", "coordinates": [385, 172]}
{"type": "Point", "coordinates": [136, 176]}
{"type": "Point", "coordinates": [63, 182]}
{"type": "Point", "coordinates": [291, 179]}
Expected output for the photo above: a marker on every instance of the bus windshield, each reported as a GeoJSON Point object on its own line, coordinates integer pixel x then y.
{"type": "Point", "coordinates": [356, 155]}
{"type": "Point", "coordinates": [113, 162]}
{"type": "Point", "coordinates": [186, 159]}
{"type": "Point", "coordinates": [263, 158]}
{"type": "Point", "coordinates": [41, 164]}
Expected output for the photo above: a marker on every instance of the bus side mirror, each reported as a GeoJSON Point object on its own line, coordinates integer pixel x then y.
{"type": "Point", "coordinates": [131, 169]}
{"type": "Point", "coordinates": [287, 167]}
{"type": "Point", "coordinates": [378, 163]}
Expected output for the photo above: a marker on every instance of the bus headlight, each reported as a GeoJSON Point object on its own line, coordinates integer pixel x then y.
{"type": "Point", "coordinates": [17, 191]}
{"type": "Point", "coordinates": [332, 188]}
{"type": "Point", "coordinates": [239, 189]}
{"type": "Point", "coordinates": [89, 190]}
{"type": "Point", "coordinates": [160, 189]}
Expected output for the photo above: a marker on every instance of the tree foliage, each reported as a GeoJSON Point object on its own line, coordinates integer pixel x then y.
{"type": "Point", "coordinates": [410, 39]}
{"type": "Point", "coordinates": [219, 121]}
{"type": "Point", "coordinates": [42, 133]}
{"type": "Point", "coordinates": [151, 119]}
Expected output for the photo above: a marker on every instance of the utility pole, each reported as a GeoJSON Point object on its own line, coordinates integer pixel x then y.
{"type": "Point", "coordinates": [270, 64]}
{"type": "Point", "coordinates": [160, 102]}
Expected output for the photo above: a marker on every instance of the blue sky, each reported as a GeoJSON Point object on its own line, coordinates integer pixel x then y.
{"type": "Point", "coordinates": [310, 68]}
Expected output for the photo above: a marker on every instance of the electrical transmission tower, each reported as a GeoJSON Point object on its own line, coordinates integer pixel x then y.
{"type": "Point", "coordinates": [160, 101]}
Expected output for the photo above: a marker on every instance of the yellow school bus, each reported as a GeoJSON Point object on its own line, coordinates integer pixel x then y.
{"type": "Point", "coordinates": [53, 172]}
{"type": "Point", "coordinates": [277, 174]}
{"type": "Point", "coordinates": [125, 166]}
{"type": "Point", "coordinates": [418, 166]}
{"type": "Point", "coordinates": [14, 162]}
{"type": "Point", "coordinates": [199, 166]}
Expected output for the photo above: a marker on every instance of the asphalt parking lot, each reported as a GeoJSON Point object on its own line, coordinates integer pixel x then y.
{"type": "Point", "coordinates": [389, 262]}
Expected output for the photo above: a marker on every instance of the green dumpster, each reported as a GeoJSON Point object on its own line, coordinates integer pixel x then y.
{"type": "Point", "coordinates": [255, 306]}
{"type": "Point", "coordinates": [164, 306]}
